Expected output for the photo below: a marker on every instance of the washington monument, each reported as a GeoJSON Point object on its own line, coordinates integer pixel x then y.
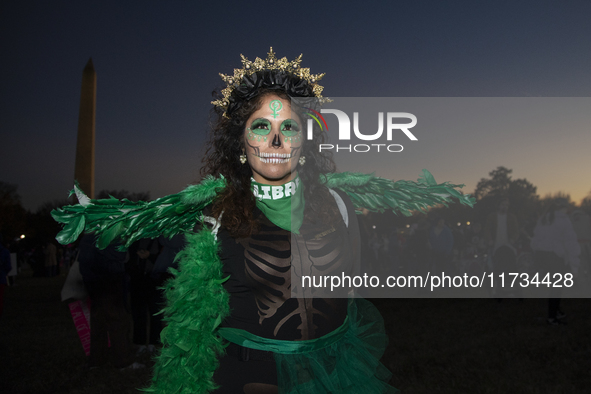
{"type": "Point", "coordinates": [84, 171]}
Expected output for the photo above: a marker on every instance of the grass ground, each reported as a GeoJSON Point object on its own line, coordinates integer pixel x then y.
{"type": "Point", "coordinates": [436, 346]}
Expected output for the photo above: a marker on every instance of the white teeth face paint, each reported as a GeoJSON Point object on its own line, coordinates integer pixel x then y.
{"type": "Point", "coordinates": [273, 141]}
{"type": "Point", "coordinates": [274, 158]}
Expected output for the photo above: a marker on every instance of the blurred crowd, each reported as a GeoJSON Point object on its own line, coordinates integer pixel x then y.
{"type": "Point", "coordinates": [435, 244]}
{"type": "Point", "coordinates": [124, 291]}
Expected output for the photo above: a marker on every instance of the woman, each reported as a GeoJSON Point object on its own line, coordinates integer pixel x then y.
{"type": "Point", "coordinates": [441, 241]}
{"type": "Point", "coordinates": [275, 199]}
{"type": "Point", "coordinates": [556, 252]}
{"type": "Point", "coordinates": [269, 211]}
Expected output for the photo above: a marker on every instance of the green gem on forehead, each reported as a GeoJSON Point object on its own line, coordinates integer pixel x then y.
{"type": "Point", "coordinates": [275, 106]}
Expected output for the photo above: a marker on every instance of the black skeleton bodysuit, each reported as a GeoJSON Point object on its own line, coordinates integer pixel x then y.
{"type": "Point", "coordinates": [260, 276]}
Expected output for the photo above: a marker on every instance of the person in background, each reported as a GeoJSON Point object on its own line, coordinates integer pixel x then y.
{"type": "Point", "coordinates": [5, 267]}
{"type": "Point", "coordinates": [50, 252]}
{"type": "Point", "coordinates": [501, 231]}
{"type": "Point", "coordinates": [103, 273]}
{"type": "Point", "coordinates": [582, 225]}
{"type": "Point", "coordinates": [556, 251]}
{"type": "Point", "coordinates": [441, 240]}
{"type": "Point", "coordinates": [143, 294]}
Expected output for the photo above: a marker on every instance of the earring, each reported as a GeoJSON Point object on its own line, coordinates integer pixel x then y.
{"type": "Point", "coordinates": [302, 160]}
{"type": "Point", "coordinates": [242, 158]}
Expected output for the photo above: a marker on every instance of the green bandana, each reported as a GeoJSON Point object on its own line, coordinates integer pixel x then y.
{"type": "Point", "coordinates": [283, 205]}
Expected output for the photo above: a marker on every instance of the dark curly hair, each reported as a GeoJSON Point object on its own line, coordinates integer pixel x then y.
{"type": "Point", "coordinates": [226, 144]}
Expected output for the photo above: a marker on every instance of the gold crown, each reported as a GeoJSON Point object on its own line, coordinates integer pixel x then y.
{"type": "Point", "coordinates": [270, 63]}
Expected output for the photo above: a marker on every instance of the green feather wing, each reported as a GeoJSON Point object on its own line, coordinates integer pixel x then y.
{"type": "Point", "coordinates": [196, 303]}
{"type": "Point", "coordinates": [130, 221]}
{"type": "Point", "coordinates": [380, 194]}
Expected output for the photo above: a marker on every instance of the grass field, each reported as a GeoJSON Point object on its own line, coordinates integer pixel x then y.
{"type": "Point", "coordinates": [436, 346]}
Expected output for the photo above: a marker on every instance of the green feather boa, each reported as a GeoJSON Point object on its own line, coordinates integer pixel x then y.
{"type": "Point", "coordinates": [196, 301]}
{"type": "Point", "coordinates": [196, 304]}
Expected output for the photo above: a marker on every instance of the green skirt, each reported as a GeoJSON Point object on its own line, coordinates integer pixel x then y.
{"type": "Point", "coordinates": [346, 361]}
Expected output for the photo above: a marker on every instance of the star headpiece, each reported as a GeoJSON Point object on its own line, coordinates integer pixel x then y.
{"type": "Point", "coordinates": [270, 63]}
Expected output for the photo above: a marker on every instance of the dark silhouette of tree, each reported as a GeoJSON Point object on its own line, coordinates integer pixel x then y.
{"type": "Point", "coordinates": [13, 217]}
{"type": "Point", "coordinates": [586, 204]}
{"type": "Point", "coordinates": [121, 194]}
{"type": "Point", "coordinates": [8, 194]}
{"type": "Point", "coordinates": [42, 224]}
{"type": "Point", "coordinates": [549, 198]}
{"type": "Point", "coordinates": [48, 206]}
{"type": "Point", "coordinates": [502, 185]}
{"type": "Point", "coordinates": [524, 201]}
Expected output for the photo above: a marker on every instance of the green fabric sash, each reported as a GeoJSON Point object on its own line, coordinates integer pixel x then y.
{"type": "Point", "coordinates": [246, 339]}
{"type": "Point", "coordinates": [283, 204]}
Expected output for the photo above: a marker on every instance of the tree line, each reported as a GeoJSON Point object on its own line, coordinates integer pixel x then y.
{"type": "Point", "coordinates": [38, 226]}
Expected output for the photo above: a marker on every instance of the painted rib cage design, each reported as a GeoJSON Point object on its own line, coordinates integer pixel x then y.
{"type": "Point", "coordinates": [269, 257]}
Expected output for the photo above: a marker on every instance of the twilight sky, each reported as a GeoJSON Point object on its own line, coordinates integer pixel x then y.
{"type": "Point", "coordinates": [157, 63]}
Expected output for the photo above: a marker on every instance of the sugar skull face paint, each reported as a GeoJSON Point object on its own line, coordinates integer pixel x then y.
{"type": "Point", "coordinates": [258, 130]}
{"type": "Point", "coordinates": [291, 131]}
{"type": "Point", "coordinates": [273, 141]}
